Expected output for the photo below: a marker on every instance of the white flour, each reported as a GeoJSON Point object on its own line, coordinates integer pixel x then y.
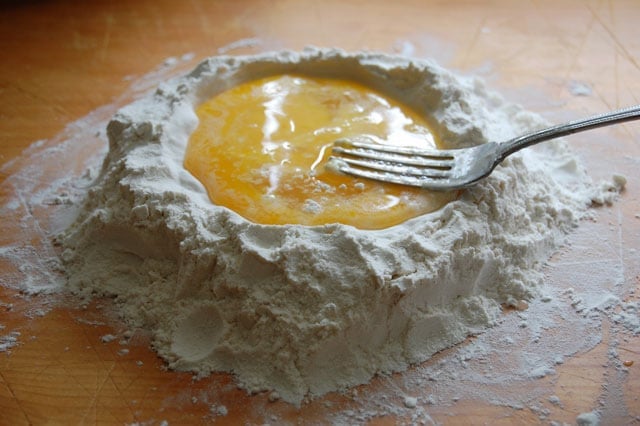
{"type": "Point", "coordinates": [307, 310]}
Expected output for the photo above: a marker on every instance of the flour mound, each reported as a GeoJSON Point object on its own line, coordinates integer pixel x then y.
{"type": "Point", "coordinates": [308, 310]}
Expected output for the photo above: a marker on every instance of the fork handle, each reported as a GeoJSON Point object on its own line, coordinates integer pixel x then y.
{"type": "Point", "coordinates": [600, 120]}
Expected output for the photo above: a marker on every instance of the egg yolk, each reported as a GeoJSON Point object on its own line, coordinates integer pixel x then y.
{"type": "Point", "coordinates": [260, 150]}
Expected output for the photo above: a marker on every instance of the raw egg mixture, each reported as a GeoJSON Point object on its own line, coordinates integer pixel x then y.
{"type": "Point", "coordinates": [260, 150]}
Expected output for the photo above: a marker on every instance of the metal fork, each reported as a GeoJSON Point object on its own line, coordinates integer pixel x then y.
{"type": "Point", "coordinates": [450, 168]}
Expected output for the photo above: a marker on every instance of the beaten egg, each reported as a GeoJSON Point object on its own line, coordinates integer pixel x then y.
{"type": "Point", "coordinates": [260, 150]}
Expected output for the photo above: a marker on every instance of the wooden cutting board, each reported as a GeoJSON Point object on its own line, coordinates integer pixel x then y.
{"type": "Point", "coordinates": [65, 61]}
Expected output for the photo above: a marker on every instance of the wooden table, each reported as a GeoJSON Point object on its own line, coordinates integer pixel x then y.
{"type": "Point", "coordinates": [69, 62]}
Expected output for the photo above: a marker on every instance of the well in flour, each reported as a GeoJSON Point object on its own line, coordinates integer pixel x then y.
{"type": "Point", "coordinates": [306, 310]}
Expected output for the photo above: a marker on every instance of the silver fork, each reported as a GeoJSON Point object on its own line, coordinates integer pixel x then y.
{"type": "Point", "coordinates": [450, 168]}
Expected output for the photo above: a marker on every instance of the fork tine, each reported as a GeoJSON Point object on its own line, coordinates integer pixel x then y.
{"type": "Point", "coordinates": [401, 165]}
{"type": "Point", "coordinates": [437, 154]}
{"type": "Point", "coordinates": [394, 168]}
{"type": "Point", "coordinates": [422, 181]}
{"type": "Point", "coordinates": [423, 160]}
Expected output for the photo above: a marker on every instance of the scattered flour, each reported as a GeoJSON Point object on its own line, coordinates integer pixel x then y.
{"type": "Point", "coordinates": [9, 340]}
{"type": "Point", "coordinates": [410, 402]}
{"type": "Point", "coordinates": [588, 419]}
{"type": "Point", "coordinates": [108, 338]}
{"type": "Point", "coordinates": [307, 310]}
{"type": "Point", "coordinates": [629, 316]}
{"type": "Point", "coordinates": [579, 88]}
{"type": "Point", "coordinates": [555, 400]}
{"type": "Point", "coordinates": [218, 410]}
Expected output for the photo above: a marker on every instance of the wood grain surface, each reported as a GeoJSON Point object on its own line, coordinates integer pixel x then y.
{"type": "Point", "coordinates": [66, 62]}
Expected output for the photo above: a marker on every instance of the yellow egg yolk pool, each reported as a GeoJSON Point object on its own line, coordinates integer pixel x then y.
{"type": "Point", "coordinates": [260, 150]}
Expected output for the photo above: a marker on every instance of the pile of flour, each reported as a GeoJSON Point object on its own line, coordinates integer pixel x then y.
{"type": "Point", "coordinates": [301, 311]}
